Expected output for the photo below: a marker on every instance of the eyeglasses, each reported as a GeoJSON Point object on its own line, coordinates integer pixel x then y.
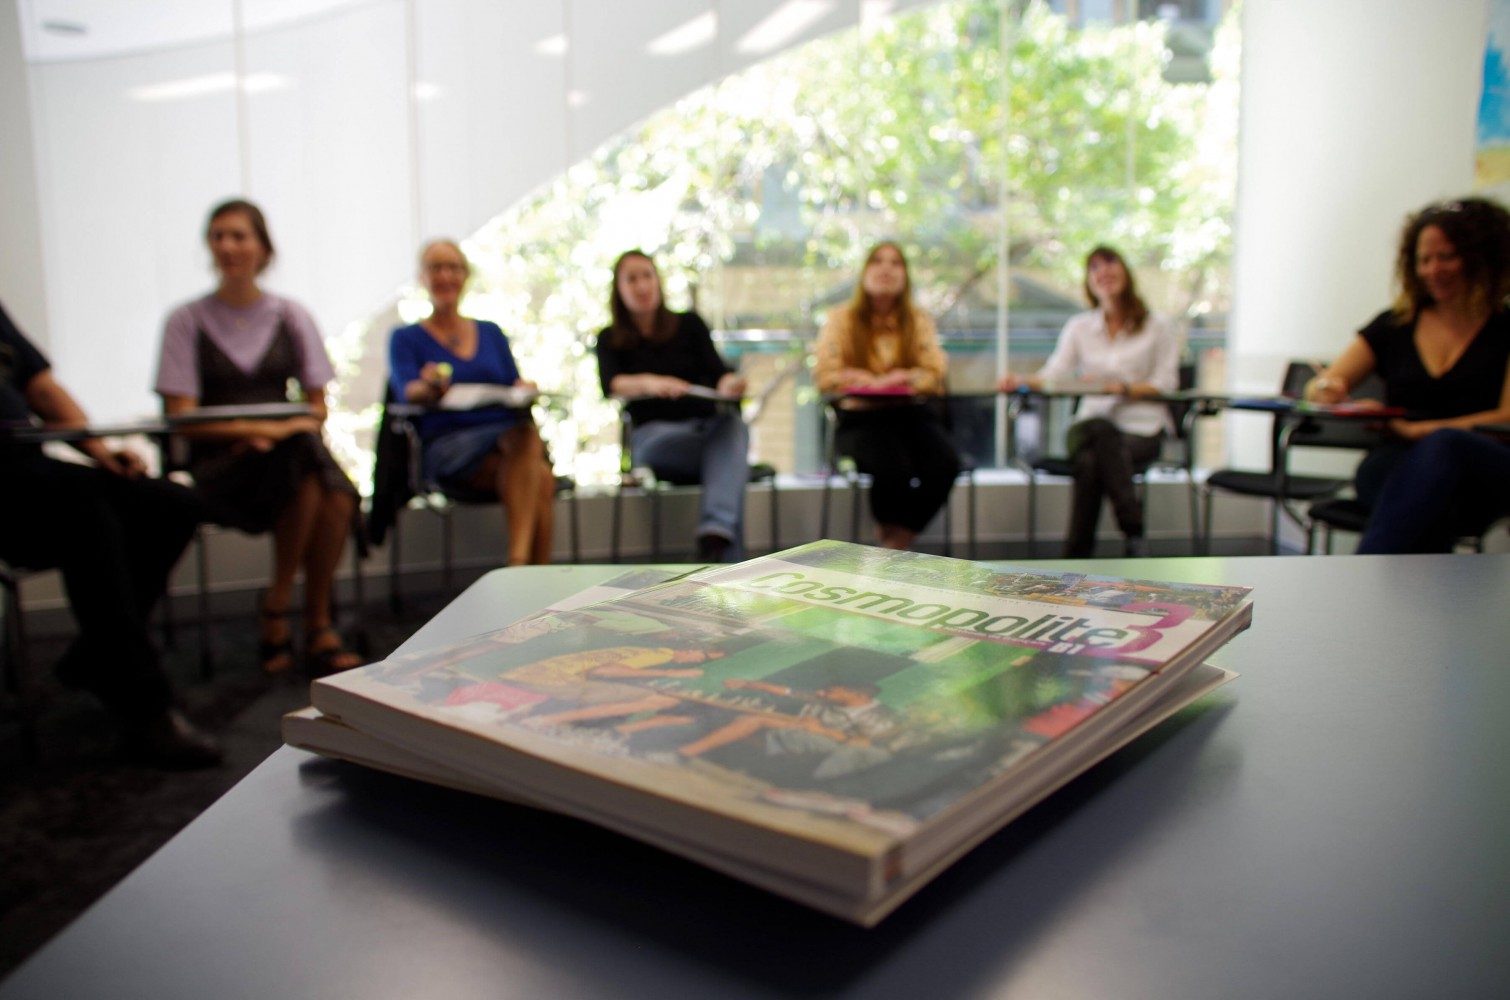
{"type": "Point", "coordinates": [445, 267]}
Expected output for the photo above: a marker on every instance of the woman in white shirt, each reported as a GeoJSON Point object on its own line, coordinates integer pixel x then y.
{"type": "Point", "coordinates": [1132, 355]}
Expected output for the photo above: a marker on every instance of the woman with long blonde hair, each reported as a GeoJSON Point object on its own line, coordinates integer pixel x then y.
{"type": "Point", "coordinates": [881, 354]}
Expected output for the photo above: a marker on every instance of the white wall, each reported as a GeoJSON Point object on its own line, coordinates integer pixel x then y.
{"type": "Point", "coordinates": [22, 284]}
{"type": "Point", "coordinates": [360, 126]}
{"type": "Point", "coordinates": [1353, 113]}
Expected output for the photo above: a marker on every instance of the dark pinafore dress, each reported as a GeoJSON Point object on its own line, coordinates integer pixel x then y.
{"type": "Point", "coordinates": [246, 488]}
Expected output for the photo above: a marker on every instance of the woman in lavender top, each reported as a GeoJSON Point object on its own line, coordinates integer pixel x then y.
{"type": "Point", "coordinates": [240, 345]}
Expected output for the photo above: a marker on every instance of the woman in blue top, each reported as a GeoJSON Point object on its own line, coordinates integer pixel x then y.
{"type": "Point", "coordinates": [490, 450]}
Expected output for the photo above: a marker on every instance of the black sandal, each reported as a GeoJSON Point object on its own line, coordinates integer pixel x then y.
{"type": "Point", "coordinates": [324, 662]}
{"type": "Point", "coordinates": [270, 653]}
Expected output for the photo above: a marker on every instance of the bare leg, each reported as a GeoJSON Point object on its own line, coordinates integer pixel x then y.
{"type": "Point", "coordinates": [321, 557]}
{"type": "Point", "coordinates": [545, 519]}
{"type": "Point", "coordinates": [522, 483]}
{"type": "Point", "coordinates": [291, 535]}
{"type": "Point", "coordinates": [894, 536]}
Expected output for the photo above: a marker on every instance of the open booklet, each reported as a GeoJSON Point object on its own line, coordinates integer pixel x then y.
{"type": "Point", "coordinates": [473, 395]}
{"type": "Point", "coordinates": [834, 723]}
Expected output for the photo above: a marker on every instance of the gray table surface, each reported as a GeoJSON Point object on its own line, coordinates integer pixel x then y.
{"type": "Point", "coordinates": [1336, 823]}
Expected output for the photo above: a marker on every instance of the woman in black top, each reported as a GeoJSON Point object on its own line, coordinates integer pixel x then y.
{"type": "Point", "coordinates": [655, 359]}
{"type": "Point", "coordinates": [1443, 352]}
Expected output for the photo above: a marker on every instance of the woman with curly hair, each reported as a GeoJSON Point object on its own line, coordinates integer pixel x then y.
{"type": "Point", "coordinates": [1443, 351]}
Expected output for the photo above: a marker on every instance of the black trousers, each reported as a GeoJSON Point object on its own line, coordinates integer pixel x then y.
{"type": "Point", "coordinates": [910, 460]}
{"type": "Point", "coordinates": [1104, 459]}
{"type": "Point", "coordinates": [115, 541]}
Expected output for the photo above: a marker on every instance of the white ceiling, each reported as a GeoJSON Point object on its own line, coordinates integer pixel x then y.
{"type": "Point", "coordinates": [58, 30]}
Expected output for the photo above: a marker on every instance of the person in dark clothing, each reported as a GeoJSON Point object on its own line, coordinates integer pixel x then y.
{"type": "Point", "coordinates": [114, 535]}
{"type": "Point", "coordinates": [658, 360]}
{"type": "Point", "coordinates": [1443, 351]}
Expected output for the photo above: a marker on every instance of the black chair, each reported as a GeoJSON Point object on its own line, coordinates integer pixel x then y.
{"type": "Point", "coordinates": [399, 484]}
{"type": "Point", "coordinates": [1350, 515]}
{"type": "Point", "coordinates": [641, 480]}
{"type": "Point", "coordinates": [1177, 455]}
{"type": "Point", "coordinates": [13, 649]}
{"type": "Point", "coordinates": [843, 466]}
{"type": "Point", "coordinates": [1276, 484]}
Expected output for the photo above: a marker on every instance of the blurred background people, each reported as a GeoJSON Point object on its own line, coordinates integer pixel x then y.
{"type": "Point", "coordinates": [655, 359]}
{"type": "Point", "coordinates": [489, 450]}
{"type": "Point", "coordinates": [1443, 352]}
{"type": "Point", "coordinates": [241, 345]}
{"type": "Point", "coordinates": [1130, 354]}
{"type": "Point", "coordinates": [115, 535]}
{"type": "Point", "coordinates": [884, 353]}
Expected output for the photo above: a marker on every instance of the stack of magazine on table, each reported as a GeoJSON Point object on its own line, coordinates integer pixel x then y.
{"type": "Point", "coordinates": [835, 723]}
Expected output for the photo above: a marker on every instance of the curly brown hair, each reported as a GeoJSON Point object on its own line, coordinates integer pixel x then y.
{"type": "Point", "coordinates": [1479, 230]}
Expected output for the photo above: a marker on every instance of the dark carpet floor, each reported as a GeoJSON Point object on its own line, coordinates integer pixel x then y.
{"type": "Point", "coordinates": [75, 819]}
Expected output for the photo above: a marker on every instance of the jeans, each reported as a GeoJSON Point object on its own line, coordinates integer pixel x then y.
{"type": "Point", "coordinates": [1450, 483]}
{"type": "Point", "coordinates": [712, 451]}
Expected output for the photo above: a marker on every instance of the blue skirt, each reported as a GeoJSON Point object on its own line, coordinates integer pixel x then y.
{"type": "Point", "coordinates": [452, 460]}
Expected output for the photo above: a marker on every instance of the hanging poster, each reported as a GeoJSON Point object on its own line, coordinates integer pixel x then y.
{"type": "Point", "coordinates": [1492, 156]}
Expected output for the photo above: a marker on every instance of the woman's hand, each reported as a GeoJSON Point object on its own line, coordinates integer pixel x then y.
{"type": "Point", "coordinates": [524, 383]}
{"type": "Point", "coordinates": [436, 376]}
{"type": "Point", "coordinates": [1116, 387]}
{"type": "Point", "coordinates": [895, 377]}
{"type": "Point", "coordinates": [267, 433]}
{"type": "Point", "coordinates": [1325, 388]}
{"type": "Point", "coordinates": [1414, 430]}
{"type": "Point", "coordinates": [733, 385]}
{"type": "Point", "coordinates": [125, 463]}
{"type": "Point", "coordinates": [667, 386]}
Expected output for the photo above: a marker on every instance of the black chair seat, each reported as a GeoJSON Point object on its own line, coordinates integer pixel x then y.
{"type": "Point", "coordinates": [1266, 484]}
{"type": "Point", "coordinates": [1344, 515]}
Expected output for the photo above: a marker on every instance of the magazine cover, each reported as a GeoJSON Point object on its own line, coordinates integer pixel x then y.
{"type": "Point", "coordinates": [837, 693]}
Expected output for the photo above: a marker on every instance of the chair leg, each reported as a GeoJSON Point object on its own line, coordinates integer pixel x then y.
{"type": "Point", "coordinates": [775, 516]}
{"type": "Point", "coordinates": [615, 519]}
{"type": "Point", "coordinates": [655, 524]}
{"type": "Point", "coordinates": [206, 637]}
{"type": "Point", "coordinates": [949, 524]}
{"type": "Point", "coordinates": [854, 509]}
{"type": "Point", "coordinates": [1206, 521]}
{"type": "Point", "coordinates": [17, 668]}
{"type": "Point", "coordinates": [446, 550]}
{"type": "Point", "coordinates": [1274, 527]}
{"type": "Point", "coordinates": [970, 513]}
{"type": "Point", "coordinates": [358, 581]}
{"type": "Point", "coordinates": [395, 598]}
{"type": "Point", "coordinates": [575, 525]}
{"type": "Point", "coordinates": [828, 476]}
{"type": "Point", "coordinates": [1032, 514]}
{"type": "Point", "coordinates": [1195, 515]}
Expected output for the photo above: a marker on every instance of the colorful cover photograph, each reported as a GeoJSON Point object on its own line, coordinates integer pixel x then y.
{"type": "Point", "coordinates": [831, 680]}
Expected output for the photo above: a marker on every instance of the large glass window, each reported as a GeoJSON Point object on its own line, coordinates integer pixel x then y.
{"type": "Point", "coordinates": [997, 141]}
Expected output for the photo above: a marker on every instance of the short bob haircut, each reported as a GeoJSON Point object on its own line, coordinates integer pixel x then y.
{"type": "Point", "coordinates": [1479, 230]}
{"type": "Point", "coordinates": [254, 216]}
